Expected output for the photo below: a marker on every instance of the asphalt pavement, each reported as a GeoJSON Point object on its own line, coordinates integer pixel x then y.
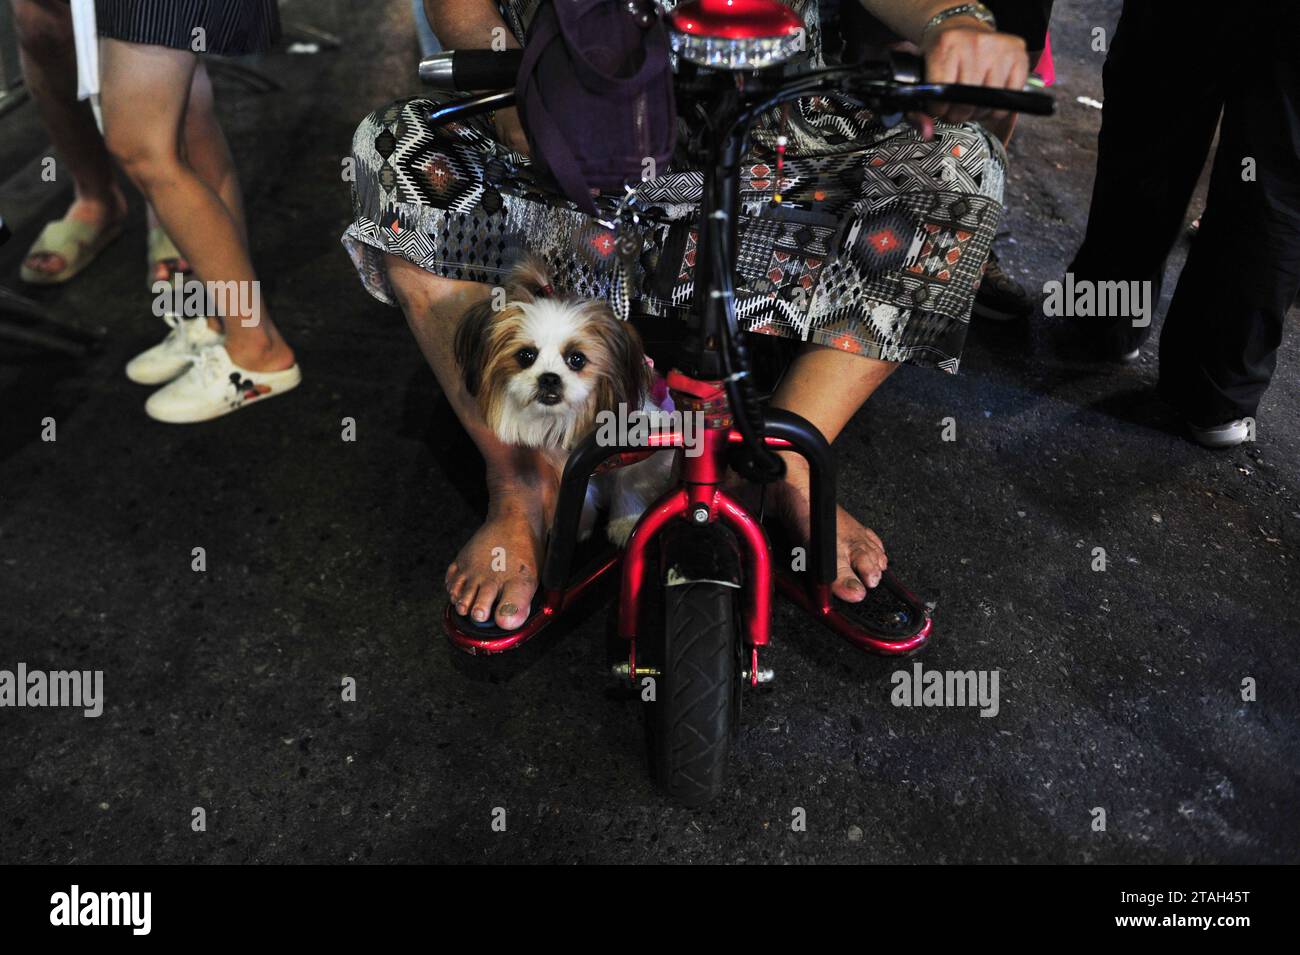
{"type": "Point", "coordinates": [1120, 689]}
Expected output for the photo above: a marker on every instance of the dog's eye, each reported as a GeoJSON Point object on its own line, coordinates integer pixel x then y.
{"type": "Point", "coordinates": [576, 360]}
{"type": "Point", "coordinates": [525, 357]}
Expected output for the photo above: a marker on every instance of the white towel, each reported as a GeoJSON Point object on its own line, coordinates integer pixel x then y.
{"type": "Point", "coordinates": [87, 43]}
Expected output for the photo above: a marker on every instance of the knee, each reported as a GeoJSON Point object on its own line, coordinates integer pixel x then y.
{"type": "Point", "coordinates": [201, 125]}
{"type": "Point", "coordinates": [377, 134]}
{"type": "Point", "coordinates": [363, 137]}
{"type": "Point", "coordinates": [428, 298]}
{"type": "Point", "coordinates": [972, 148]}
{"type": "Point", "coordinates": [364, 152]}
{"type": "Point", "coordinates": [147, 158]}
{"type": "Point", "coordinates": [44, 28]}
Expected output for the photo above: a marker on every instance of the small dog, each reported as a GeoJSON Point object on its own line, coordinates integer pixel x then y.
{"type": "Point", "coordinates": [542, 368]}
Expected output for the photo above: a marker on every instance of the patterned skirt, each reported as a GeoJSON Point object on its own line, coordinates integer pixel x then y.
{"type": "Point", "coordinates": [876, 247]}
{"type": "Point", "coordinates": [229, 27]}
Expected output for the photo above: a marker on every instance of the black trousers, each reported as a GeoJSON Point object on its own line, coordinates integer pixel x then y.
{"type": "Point", "coordinates": [1171, 72]}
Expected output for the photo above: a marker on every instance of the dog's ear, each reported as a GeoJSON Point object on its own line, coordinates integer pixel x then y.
{"type": "Point", "coordinates": [471, 343]}
{"type": "Point", "coordinates": [636, 370]}
{"type": "Point", "coordinates": [529, 280]}
{"type": "Point", "coordinates": [631, 376]}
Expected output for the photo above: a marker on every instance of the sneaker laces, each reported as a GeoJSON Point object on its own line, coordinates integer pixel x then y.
{"type": "Point", "coordinates": [194, 327]}
{"type": "Point", "coordinates": [177, 326]}
{"type": "Point", "coordinates": [181, 336]}
{"type": "Point", "coordinates": [207, 364]}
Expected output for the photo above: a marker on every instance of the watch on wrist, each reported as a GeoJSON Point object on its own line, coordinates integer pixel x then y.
{"type": "Point", "coordinates": [975, 10]}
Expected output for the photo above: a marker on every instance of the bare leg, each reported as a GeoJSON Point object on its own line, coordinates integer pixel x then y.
{"type": "Point", "coordinates": [1002, 127]}
{"type": "Point", "coordinates": [205, 148]}
{"type": "Point", "coordinates": [146, 90]}
{"type": "Point", "coordinates": [50, 72]}
{"type": "Point", "coordinates": [501, 563]}
{"type": "Point", "coordinates": [159, 271]}
{"type": "Point", "coordinates": [860, 555]}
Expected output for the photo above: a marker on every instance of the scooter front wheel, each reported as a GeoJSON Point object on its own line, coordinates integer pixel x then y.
{"type": "Point", "coordinates": [691, 721]}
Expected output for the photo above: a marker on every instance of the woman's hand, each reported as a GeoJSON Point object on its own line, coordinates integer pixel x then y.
{"type": "Point", "coordinates": [477, 25]}
{"type": "Point", "coordinates": [963, 50]}
{"type": "Point", "coordinates": [510, 131]}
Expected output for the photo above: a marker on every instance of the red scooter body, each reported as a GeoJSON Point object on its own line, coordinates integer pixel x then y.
{"type": "Point", "coordinates": [698, 554]}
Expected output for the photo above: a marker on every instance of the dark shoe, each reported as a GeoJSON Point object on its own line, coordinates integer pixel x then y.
{"type": "Point", "coordinates": [1111, 340]}
{"type": "Point", "coordinates": [1000, 298]}
{"type": "Point", "coordinates": [1099, 339]}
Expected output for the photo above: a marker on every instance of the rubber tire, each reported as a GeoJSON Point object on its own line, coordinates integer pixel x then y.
{"type": "Point", "coordinates": [691, 723]}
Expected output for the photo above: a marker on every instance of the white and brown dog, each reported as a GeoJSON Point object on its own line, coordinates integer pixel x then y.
{"type": "Point", "coordinates": [543, 368]}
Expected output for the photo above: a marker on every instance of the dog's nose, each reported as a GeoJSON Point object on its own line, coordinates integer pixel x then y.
{"type": "Point", "coordinates": [549, 381]}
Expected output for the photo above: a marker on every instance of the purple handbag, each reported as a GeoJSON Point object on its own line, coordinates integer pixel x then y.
{"type": "Point", "coordinates": [595, 94]}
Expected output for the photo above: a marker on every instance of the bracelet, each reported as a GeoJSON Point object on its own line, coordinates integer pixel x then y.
{"type": "Point", "coordinates": [976, 10]}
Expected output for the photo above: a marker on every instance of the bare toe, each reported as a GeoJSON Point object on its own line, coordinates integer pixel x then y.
{"type": "Point", "coordinates": [847, 587]}
{"type": "Point", "coordinates": [481, 607]}
{"type": "Point", "coordinates": [465, 598]}
{"type": "Point", "coordinates": [868, 565]}
{"type": "Point", "coordinates": [516, 603]}
{"type": "Point", "coordinates": [46, 263]}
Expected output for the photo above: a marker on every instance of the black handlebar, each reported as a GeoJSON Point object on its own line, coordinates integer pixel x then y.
{"type": "Point", "coordinates": [464, 70]}
{"type": "Point", "coordinates": [1013, 101]}
{"type": "Point", "coordinates": [900, 84]}
{"type": "Point", "coordinates": [902, 78]}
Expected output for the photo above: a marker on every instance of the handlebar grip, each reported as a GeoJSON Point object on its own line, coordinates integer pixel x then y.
{"type": "Point", "coordinates": [1015, 101]}
{"type": "Point", "coordinates": [465, 70]}
{"type": "Point", "coordinates": [910, 69]}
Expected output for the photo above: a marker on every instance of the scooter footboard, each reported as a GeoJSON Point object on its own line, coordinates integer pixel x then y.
{"type": "Point", "coordinates": [891, 620]}
{"type": "Point", "coordinates": [560, 587]}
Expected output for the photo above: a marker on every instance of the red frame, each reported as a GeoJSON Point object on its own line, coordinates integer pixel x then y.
{"type": "Point", "coordinates": [699, 485]}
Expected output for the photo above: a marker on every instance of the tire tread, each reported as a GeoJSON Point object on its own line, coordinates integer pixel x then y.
{"type": "Point", "coordinates": [700, 654]}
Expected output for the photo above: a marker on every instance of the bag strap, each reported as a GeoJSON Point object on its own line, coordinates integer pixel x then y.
{"type": "Point", "coordinates": [560, 161]}
{"type": "Point", "coordinates": [655, 45]}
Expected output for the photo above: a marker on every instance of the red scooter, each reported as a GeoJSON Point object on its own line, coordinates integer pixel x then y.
{"type": "Point", "coordinates": [697, 575]}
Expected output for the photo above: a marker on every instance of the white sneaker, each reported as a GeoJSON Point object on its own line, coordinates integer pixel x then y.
{"type": "Point", "coordinates": [215, 386]}
{"type": "Point", "coordinates": [1226, 435]}
{"type": "Point", "coordinates": [172, 355]}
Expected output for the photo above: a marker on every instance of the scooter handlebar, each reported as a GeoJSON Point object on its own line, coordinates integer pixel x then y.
{"type": "Point", "coordinates": [909, 69]}
{"type": "Point", "coordinates": [987, 97]}
{"type": "Point", "coordinates": [467, 70]}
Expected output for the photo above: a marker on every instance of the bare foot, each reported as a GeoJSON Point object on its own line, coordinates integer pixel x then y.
{"type": "Point", "coordinates": [859, 554]}
{"type": "Point", "coordinates": [98, 213]}
{"type": "Point", "coordinates": [500, 564]}
{"type": "Point", "coordinates": [166, 270]}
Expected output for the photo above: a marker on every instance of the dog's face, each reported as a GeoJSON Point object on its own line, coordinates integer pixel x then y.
{"type": "Point", "coordinates": [542, 368]}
